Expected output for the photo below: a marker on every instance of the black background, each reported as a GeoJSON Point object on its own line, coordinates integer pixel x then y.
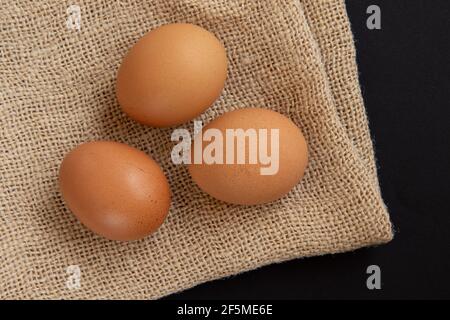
{"type": "Point", "coordinates": [405, 78]}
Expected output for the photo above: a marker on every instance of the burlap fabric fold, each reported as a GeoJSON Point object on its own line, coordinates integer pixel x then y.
{"type": "Point", "coordinates": [57, 91]}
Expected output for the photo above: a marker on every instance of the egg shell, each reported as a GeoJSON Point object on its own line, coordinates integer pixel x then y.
{"type": "Point", "coordinates": [115, 190]}
{"type": "Point", "coordinates": [243, 183]}
{"type": "Point", "coordinates": [171, 75]}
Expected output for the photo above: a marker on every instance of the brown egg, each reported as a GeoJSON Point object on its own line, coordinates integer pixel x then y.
{"type": "Point", "coordinates": [115, 190]}
{"type": "Point", "coordinates": [171, 75]}
{"type": "Point", "coordinates": [267, 170]}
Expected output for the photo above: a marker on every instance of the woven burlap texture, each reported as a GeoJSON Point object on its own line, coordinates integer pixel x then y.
{"type": "Point", "coordinates": [57, 91]}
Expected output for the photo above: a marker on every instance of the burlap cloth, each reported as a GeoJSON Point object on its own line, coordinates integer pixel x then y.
{"type": "Point", "coordinates": [57, 91]}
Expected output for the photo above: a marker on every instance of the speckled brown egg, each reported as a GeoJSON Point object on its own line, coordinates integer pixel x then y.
{"type": "Point", "coordinates": [115, 190]}
{"type": "Point", "coordinates": [171, 75]}
{"type": "Point", "coordinates": [245, 182]}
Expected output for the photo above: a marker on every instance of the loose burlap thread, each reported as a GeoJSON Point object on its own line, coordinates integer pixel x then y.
{"type": "Point", "coordinates": [57, 91]}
